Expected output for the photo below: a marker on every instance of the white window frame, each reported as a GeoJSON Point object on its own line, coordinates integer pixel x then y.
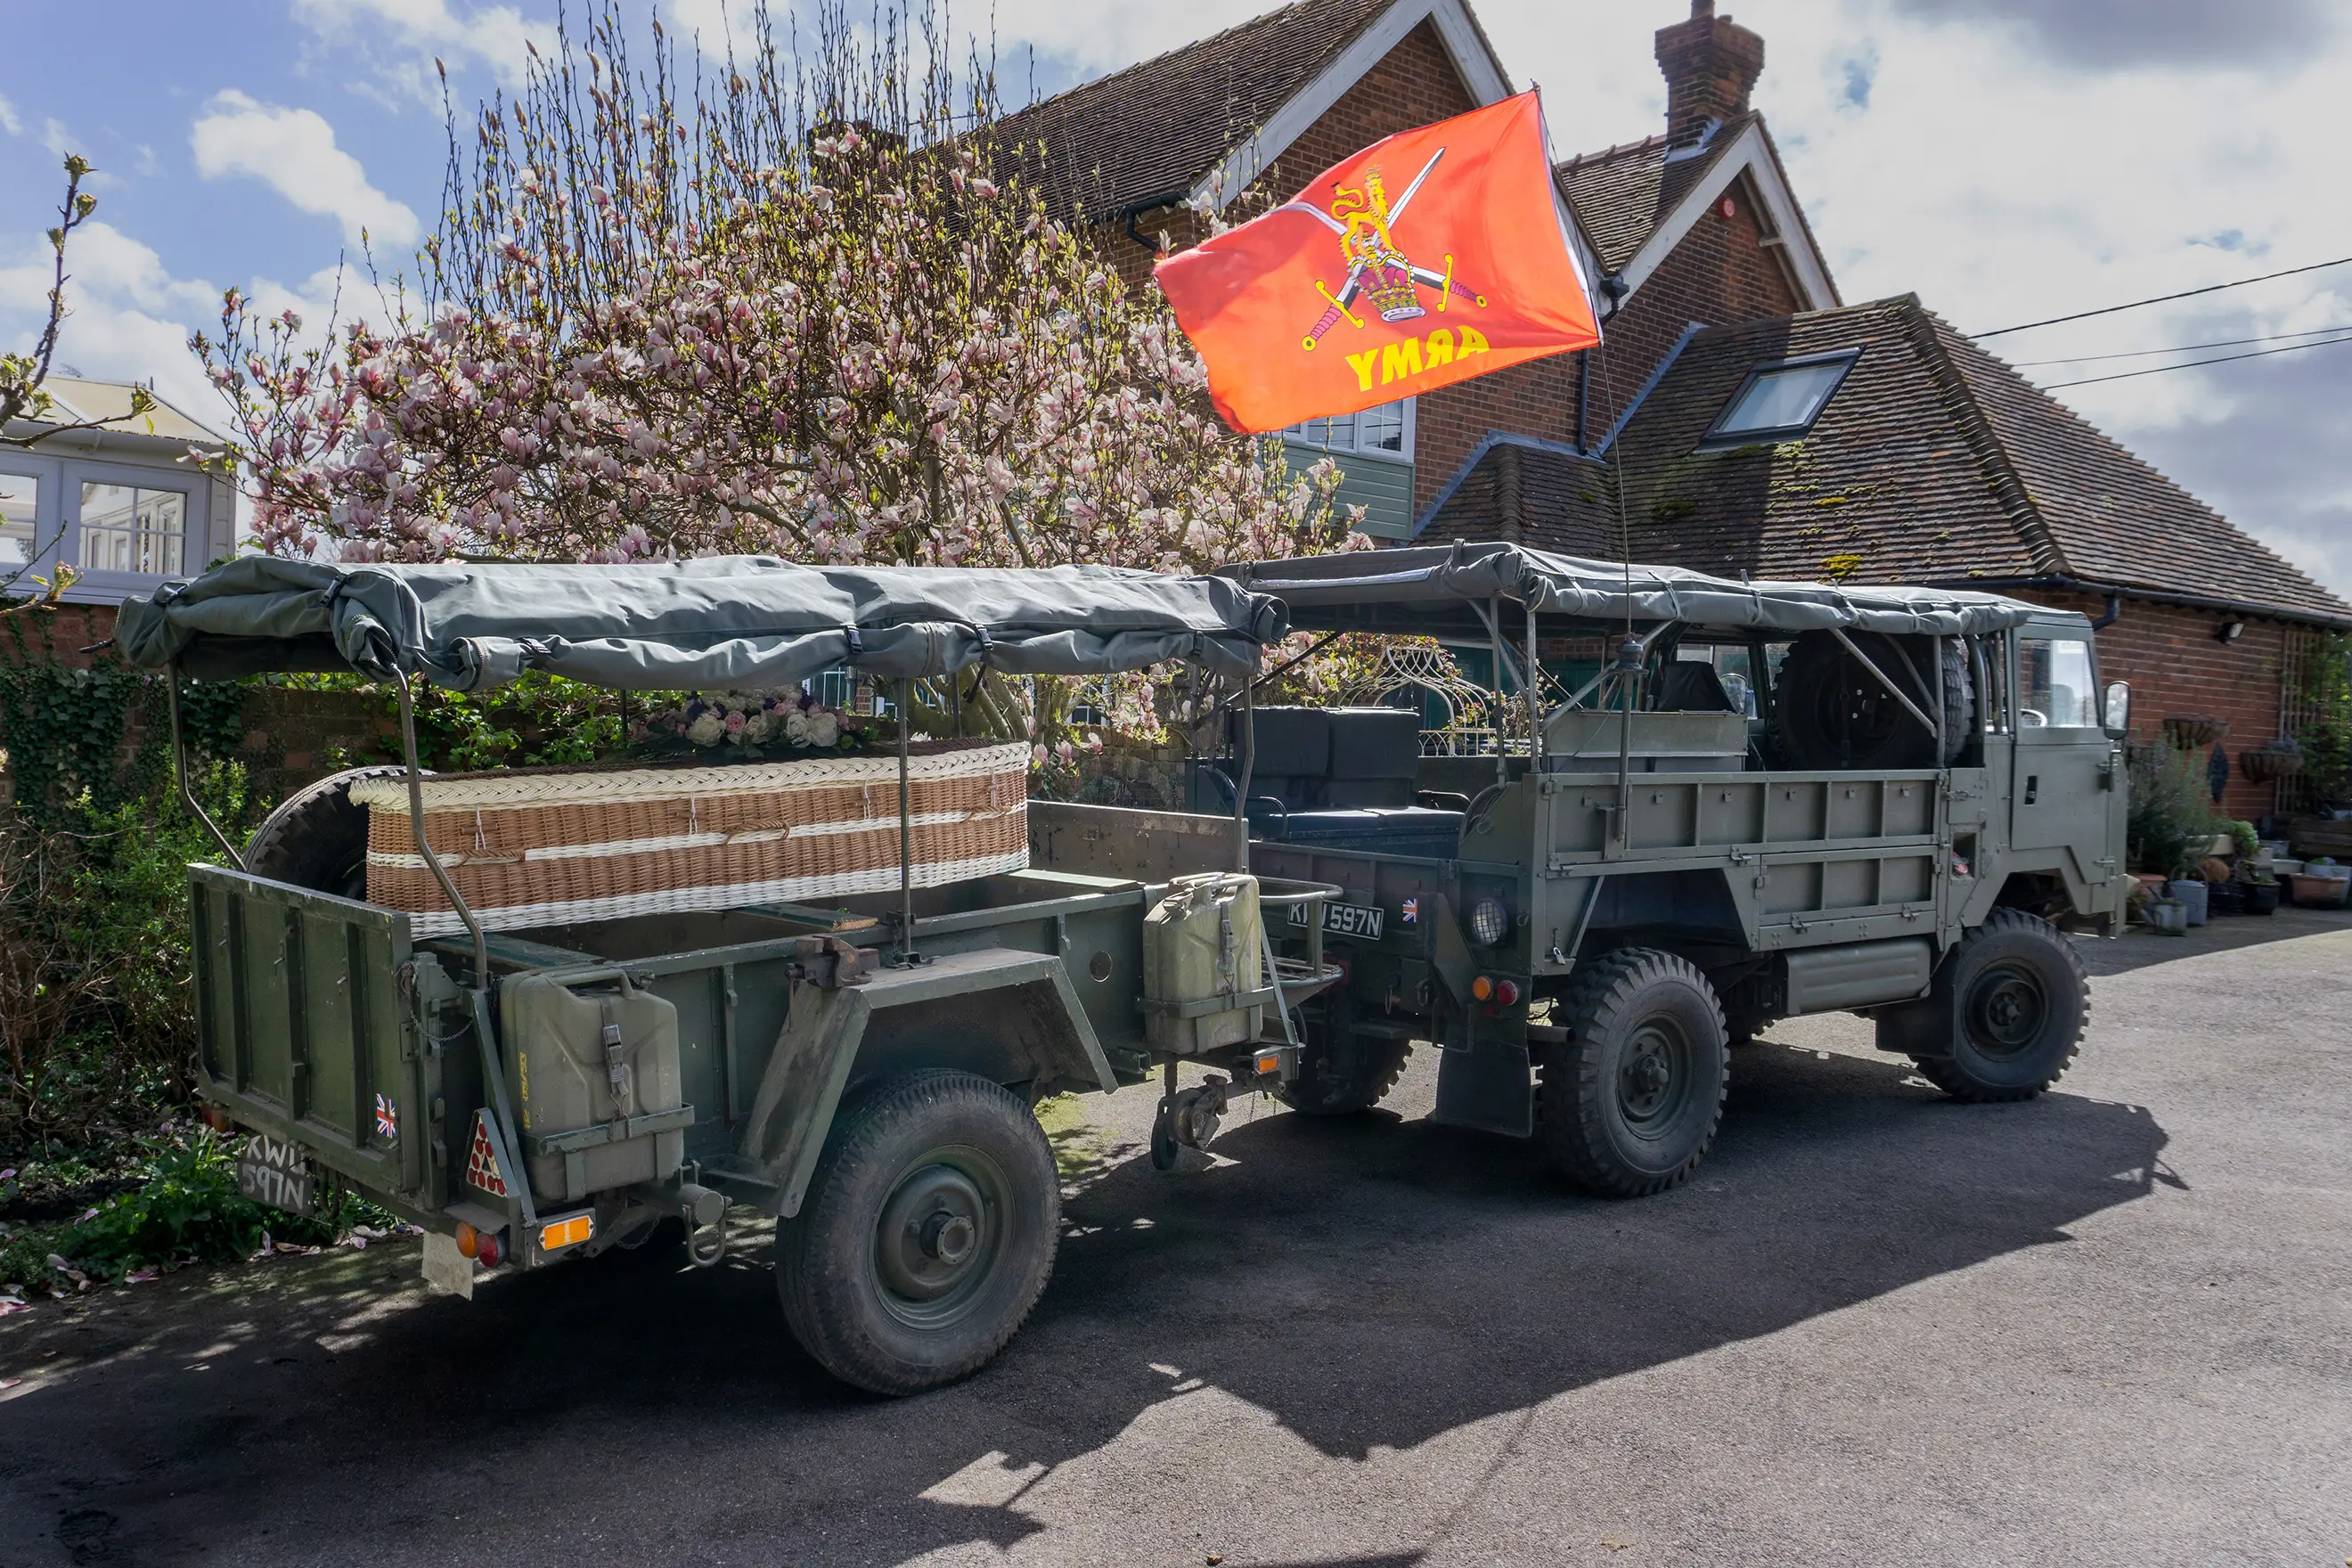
{"type": "Point", "coordinates": [1297, 438]}
{"type": "Point", "coordinates": [47, 475]}
{"type": "Point", "coordinates": [195, 537]}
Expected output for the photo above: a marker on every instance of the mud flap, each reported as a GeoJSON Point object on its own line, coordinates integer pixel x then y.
{"type": "Point", "coordinates": [1486, 1084]}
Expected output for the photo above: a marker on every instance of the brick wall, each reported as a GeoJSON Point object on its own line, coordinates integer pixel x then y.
{"type": "Point", "coordinates": [1719, 274]}
{"type": "Point", "coordinates": [2176, 666]}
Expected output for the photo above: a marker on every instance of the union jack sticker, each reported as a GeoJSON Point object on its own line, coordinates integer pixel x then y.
{"type": "Point", "coordinates": [387, 1118]}
{"type": "Point", "coordinates": [482, 1160]}
{"type": "Point", "coordinates": [1410, 912]}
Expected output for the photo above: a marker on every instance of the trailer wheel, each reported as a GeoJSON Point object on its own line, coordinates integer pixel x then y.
{"type": "Point", "coordinates": [2019, 999]}
{"type": "Point", "coordinates": [1629, 1105]}
{"type": "Point", "coordinates": [317, 838]}
{"type": "Point", "coordinates": [927, 1237]}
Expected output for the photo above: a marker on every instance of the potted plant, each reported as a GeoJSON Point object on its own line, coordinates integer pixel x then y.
{"type": "Point", "coordinates": [2194, 733]}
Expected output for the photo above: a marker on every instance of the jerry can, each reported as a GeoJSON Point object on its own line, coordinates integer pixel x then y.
{"type": "Point", "coordinates": [1201, 944]}
{"type": "Point", "coordinates": [594, 1076]}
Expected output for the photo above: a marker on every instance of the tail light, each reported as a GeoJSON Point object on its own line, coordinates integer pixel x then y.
{"type": "Point", "coordinates": [1502, 992]}
{"type": "Point", "coordinates": [487, 1250]}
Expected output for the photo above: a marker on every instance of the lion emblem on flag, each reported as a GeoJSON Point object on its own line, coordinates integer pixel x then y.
{"type": "Point", "coordinates": [1378, 272]}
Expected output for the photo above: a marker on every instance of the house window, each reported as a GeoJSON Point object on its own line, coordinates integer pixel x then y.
{"type": "Point", "coordinates": [1780, 401]}
{"type": "Point", "coordinates": [1385, 431]}
{"type": "Point", "coordinates": [20, 502]}
{"type": "Point", "coordinates": [126, 528]}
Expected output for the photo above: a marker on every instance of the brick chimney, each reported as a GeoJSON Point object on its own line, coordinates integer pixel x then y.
{"type": "Point", "coordinates": [1711, 65]}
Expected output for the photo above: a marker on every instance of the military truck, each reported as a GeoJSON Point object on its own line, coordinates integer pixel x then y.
{"type": "Point", "coordinates": [1579, 919]}
{"type": "Point", "coordinates": [1771, 799]}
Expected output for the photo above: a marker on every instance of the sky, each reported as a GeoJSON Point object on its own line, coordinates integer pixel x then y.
{"type": "Point", "coordinates": [2006, 160]}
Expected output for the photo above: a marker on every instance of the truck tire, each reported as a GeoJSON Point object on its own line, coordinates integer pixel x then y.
{"type": "Point", "coordinates": [1341, 1072]}
{"type": "Point", "coordinates": [1321, 1090]}
{"type": "Point", "coordinates": [1831, 713]}
{"type": "Point", "coordinates": [1629, 1105]}
{"type": "Point", "coordinates": [927, 1235]}
{"type": "Point", "coordinates": [2020, 1000]}
{"type": "Point", "coordinates": [317, 838]}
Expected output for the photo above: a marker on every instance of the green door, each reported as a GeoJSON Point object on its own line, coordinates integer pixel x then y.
{"type": "Point", "coordinates": [2067, 776]}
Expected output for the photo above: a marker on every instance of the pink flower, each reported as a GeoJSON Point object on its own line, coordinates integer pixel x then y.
{"type": "Point", "coordinates": [735, 722]}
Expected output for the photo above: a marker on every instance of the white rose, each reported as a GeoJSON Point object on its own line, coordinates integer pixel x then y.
{"type": "Point", "coordinates": [707, 729]}
{"type": "Point", "coordinates": [796, 728]}
{"type": "Point", "coordinates": [757, 728]}
{"type": "Point", "coordinates": [824, 730]}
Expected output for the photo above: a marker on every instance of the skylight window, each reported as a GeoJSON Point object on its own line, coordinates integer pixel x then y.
{"type": "Point", "coordinates": [1780, 402]}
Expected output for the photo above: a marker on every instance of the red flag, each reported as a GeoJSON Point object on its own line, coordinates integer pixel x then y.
{"type": "Point", "coordinates": [1429, 258]}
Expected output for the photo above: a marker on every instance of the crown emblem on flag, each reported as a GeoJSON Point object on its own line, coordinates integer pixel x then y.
{"type": "Point", "coordinates": [482, 1160]}
{"type": "Point", "coordinates": [1378, 272]}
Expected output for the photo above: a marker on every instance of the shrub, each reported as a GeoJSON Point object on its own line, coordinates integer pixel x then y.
{"type": "Point", "coordinates": [2169, 815]}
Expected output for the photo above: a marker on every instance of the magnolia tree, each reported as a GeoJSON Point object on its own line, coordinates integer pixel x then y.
{"type": "Point", "coordinates": [810, 310]}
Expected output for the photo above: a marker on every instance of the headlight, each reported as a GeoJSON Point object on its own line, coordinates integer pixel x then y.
{"type": "Point", "coordinates": [1490, 922]}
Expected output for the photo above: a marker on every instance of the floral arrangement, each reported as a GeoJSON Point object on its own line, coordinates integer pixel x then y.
{"type": "Point", "coordinates": [755, 725]}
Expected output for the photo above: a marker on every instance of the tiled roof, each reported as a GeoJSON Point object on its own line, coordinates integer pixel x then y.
{"type": "Point", "coordinates": [78, 401]}
{"type": "Point", "coordinates": [1618, 195]}
{"type": "Point", "coordinates": [1934, 463]}
{"type": "Point", "coordinates": [1164, 124]}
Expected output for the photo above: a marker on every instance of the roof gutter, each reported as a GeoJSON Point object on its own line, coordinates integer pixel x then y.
{"type": "Point", "coordinates": [2115, 594]}
{"type": "Point", "coordinates": [1133, 210]}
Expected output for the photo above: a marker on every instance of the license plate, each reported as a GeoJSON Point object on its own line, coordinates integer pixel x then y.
{"type": "Point", "coordinates": [1344, 920]}
{"type": "Point", "coordinates": [275, 1173]}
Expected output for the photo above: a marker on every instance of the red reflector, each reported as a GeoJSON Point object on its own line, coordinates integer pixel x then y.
{"type": "Point", "coordinates": [1506, 992]}
{"type": "Point", "coordinates": [487, 1250]}
{"type": "Point", "coordinates": [482, 1160]}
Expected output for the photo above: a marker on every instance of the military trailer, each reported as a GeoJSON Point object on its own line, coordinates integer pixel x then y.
{"type": "Point", "coordinates": [1580, 922]}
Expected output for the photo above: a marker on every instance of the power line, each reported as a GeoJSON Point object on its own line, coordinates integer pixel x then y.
{"type": "Point", "coordinates": [2192, 364]}
{"type": "Point", "coordinates": [2182, 349]}
{"type": "Point", "coordinates": [2160, 299]}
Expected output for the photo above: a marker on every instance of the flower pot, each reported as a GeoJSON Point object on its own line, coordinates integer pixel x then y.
{"type": "Point", "coordinates": [2268, 765]}
{"type": "Point", "coordinates": [2262, 898]}
{"type": "Point", "coordinates": [2195, 733]}
{"type": "Point", "coordinates": [2167, 917]}
{"type": "Point", "coordinates": [2225, 897]}
{"type": "Point", "coordinates": [2189, 893]}
{"type": "Point", "coordinates": [2319, 892]}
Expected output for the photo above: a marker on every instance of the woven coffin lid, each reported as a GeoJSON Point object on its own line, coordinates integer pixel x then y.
{"type": "Point", "coordinates": [601, 786]}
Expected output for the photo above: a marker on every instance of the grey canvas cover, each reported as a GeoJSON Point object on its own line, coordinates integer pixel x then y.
{"type": "Point", "coordinates": [1432, 590]}
{"type": "Point", "coordinates": [749, 622]}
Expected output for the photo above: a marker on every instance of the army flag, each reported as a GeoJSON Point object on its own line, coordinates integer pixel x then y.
{"type": "Point", "coordinates": [1429, 258]}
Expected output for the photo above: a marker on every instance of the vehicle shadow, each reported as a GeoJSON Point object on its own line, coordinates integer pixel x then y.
{"type": "Point", "coordinates": [1371, 1283]}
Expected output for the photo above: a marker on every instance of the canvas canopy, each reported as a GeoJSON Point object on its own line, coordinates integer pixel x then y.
{"type": "Point", "coordinates": [1435, 590]}
{"type": "Point", "coordinates": [749, 622]}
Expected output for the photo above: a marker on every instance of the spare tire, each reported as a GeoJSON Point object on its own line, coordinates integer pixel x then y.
{"type": "Point", "coordinates": [317, 838]}
{"type": "Point", "coordinates": [1832, 713]}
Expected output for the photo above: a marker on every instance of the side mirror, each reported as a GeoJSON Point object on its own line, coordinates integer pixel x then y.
{"type": "Point", "coordinates": [2119, 708]}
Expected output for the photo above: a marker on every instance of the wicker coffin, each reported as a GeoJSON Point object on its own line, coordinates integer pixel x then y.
{"type": "Point", "coordinates": [549, 847]}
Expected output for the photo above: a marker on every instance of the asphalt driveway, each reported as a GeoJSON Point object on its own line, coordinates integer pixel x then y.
{"type": "Point", "coordinates": [2111, 1326]}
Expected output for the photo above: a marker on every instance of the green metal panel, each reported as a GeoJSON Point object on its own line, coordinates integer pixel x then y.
{"type": "Point", "coordinates": [1383, 487]}
{"type": "Point", "coordinates": [300, 1024]}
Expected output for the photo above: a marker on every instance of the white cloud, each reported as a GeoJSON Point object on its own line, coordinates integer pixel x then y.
{"type": "Point", "coordinates": [401, 38]}
{"type": "Point", "coordinates": [131, 317]}
{"type": "Point", "coordinates": [294, 150]}
{"type": "Point", "coordinates": [9, 120]}
{"type": "Point", "coordinates": [707, 22]}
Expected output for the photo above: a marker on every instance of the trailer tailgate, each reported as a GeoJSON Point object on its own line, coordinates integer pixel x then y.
{"type": "Point", "coordinates": [301, 1030]}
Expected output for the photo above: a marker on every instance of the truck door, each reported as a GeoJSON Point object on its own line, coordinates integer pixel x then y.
{"type": "Point", "coordinates": [2068, 774]}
